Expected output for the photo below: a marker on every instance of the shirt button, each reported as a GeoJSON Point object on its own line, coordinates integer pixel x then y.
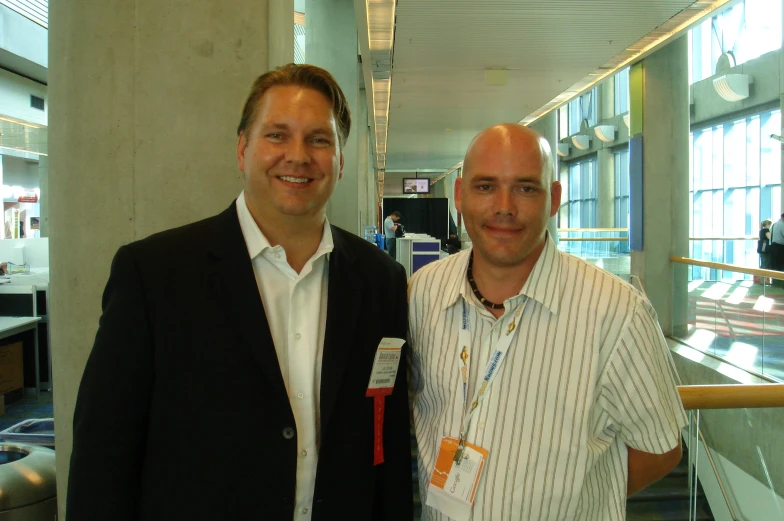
{"type": "Point", "coordinates": [297, 336]}
{"type": "Point", "coordinates": [304, 510]}
{"type": "Point", "coordinates": [288, 433]}
{"type": "Point", "coordinates": [304, 453]}
{"type": "Point", "coordinates": [300, 395]}
{"type": "Point", "coordinates": [277, 255]}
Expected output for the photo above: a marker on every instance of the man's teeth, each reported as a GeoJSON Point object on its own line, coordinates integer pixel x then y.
{"type": "Point", "coordinates": [295, 179]}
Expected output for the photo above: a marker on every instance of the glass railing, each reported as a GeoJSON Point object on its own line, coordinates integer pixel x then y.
{"type": "Point", "coordinates": [731, 312]}
{"type": "Point", "coordinates": [607, 248]}
{"type": "Point", "coordinates": [737, 251]}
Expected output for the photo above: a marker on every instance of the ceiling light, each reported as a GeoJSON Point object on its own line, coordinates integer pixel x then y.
{"type": "Point", "coordinates": [605, 132]}
{"type": "Point", "coordinates": [733, 87]}
{"type": "Point", "coordinates": [581, 141]}
{"type": "Point", "coordinates": [563, 149]}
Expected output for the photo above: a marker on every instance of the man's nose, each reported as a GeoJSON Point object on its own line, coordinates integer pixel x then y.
{"type": "Point", "coordinates": [297, 152]}
{"type": "Point", "coordinates": [504, 202]}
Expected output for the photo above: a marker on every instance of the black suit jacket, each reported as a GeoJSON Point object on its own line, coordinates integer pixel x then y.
{"type": "Point", "coordinates": [182, 408]}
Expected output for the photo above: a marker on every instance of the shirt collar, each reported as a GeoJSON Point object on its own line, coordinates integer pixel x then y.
{"type": "Point", "coordinates": [255, 240]}
{"type": "Point", "coordinates": [543, 284]}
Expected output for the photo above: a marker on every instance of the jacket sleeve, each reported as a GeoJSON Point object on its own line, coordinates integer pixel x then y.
{"type": "Point", "coordinates": [396, 484]}
{"type": "Point", "coordinates": [111, 414]}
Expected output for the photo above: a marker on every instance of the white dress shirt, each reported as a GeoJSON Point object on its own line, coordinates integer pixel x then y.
{"type": "Point", "coordinates": [586, 376]}
{"type": "Point", "coordinates": [296, 309]}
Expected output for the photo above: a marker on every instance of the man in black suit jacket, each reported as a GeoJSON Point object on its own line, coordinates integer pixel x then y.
{"type": "Point", "coordinates": [190, 403]}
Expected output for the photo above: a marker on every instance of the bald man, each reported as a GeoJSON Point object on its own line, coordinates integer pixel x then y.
{"type": "Point", "coordinates": [541, 383]}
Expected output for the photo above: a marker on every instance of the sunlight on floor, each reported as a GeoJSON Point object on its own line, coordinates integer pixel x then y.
{"type": "Point", "coordinates": [742, 355]}
{"type": "Point", "coordinates": [717, 291]}
{"type": "Point", "coordinates": [701, 339]}
{"type": "Point", "coordinates": [763, 304]}
{"type": "Point", "coordinates": [737, 296]}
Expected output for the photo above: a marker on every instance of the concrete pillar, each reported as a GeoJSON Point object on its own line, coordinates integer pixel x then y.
{"type": "Point", "coordinates": [366, 217]}
{"type": "Point", "coordinates": [439, 189]}
{"type": "Point", "coordinates": [605, 179]}
{"type": "Point", "coordinates": [547, 126]}
{"type": "Point", "coordinates": [607, 99]}
{"type": "Point", "coordinates": [43, 184]}
{"type": "Point", "coordinates": [665, 129]}
{"type": "Point", "coordinates": [331, 42]}
{"type": "Point", "coordinates": [145, 99]}
{"type": "Point", "coordinates": [281, 32]}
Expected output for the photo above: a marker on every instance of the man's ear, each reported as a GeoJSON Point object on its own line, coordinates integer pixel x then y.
{"type": "Point", "coordinates": [340, 175]}
{"type": "Point", "coordinates": [555, 198]}
{"type": "Point", "coordinates": [458, 193]}
{"type": "Point", "coordinates": [242, 144]}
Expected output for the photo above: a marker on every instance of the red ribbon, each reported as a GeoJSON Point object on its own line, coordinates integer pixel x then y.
{"type": "Point", "coordinates": [379, 397]}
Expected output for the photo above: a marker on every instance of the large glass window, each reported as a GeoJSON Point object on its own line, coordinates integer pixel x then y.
{"type": "Point", "coordinates": [622, 92]}
{"type": "Point", "coordinates": [582, 108]}
{"type": "Point", "coordinates": [580, 208]}
{"type": "Point", "coordinates": [748, 30]}
{"type": "Point", "coordinates": [735, 184]}
{"type": "Point", "coordinates": [621, 188]}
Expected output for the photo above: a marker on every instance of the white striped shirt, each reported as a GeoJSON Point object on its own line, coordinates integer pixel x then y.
{"type": "Point", "coordinates": [586, 376]}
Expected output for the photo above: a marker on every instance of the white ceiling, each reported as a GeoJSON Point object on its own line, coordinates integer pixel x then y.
{"type": "Point", "coordinates": [439, 98]}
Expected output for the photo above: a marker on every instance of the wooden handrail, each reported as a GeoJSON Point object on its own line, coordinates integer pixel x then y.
{"type": "Point", "coordinates": [771, 274]}
{"type": "Point", "coordinates": [744, 238]}
{"type": "Point", "coordinates": [731, 396]}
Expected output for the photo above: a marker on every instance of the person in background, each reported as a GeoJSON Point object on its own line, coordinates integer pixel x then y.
{"type": "Point", "coordinates": [242, 395]}
{"type": "Point", "coordinates": [763, 244]}
{"type": "Point", "coordinates": [776, 259]}
{"type": "Point", "coordinates": [452, 243]}
{"type": "Point", "coordinates": [390, 227]}
{"type": "Point", "coordinates": [554, 368]}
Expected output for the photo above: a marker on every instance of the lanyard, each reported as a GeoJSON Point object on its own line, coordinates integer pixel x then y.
{"type": "Point", "coordinates": [491, 371]}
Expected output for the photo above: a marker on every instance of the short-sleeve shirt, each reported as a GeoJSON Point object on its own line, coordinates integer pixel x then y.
{"type": "Point", "coordinates": [389, 233]}
{"type": "Point", "coordinates": [587, 375]}
{"type": "Point", "coordinates": [777, 232]}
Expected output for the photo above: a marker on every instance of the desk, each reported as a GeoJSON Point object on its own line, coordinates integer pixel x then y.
{"type": "Point", "coordinates": [417, 249]}
{"type": "Point", "coordinates": [10, 326]}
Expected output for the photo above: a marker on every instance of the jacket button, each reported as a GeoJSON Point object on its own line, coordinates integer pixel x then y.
{"type": "Point", "coordinates": [288, 433]}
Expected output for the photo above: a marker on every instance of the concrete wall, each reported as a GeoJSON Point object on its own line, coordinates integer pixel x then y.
{"type": "Point", "coordinates": [145, 98]}
{"type": "Point", "coordinates": [20, 172]}
{"type": "Point", "coordinates": [15, 91]}
{"type": "Point", "coordinates": [708, 107]}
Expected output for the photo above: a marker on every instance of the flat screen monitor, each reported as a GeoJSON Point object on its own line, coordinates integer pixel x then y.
{"type": "Point", "coordinates": [416, 186]}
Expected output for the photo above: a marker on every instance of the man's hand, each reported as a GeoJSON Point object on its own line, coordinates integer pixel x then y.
{"type": "Point", "coordinates": [646, 468]}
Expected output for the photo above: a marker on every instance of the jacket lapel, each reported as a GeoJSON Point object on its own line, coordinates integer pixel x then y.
{"type": "Point", "coordinates": [343, 302]}
{"type": "Point", "coordinates": [235, 285]}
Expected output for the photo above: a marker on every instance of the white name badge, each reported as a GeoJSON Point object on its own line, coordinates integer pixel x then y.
{"type": "Point", "coordinates": [386, 364]}
{"type": "Point", "coordinates": [452, 487]}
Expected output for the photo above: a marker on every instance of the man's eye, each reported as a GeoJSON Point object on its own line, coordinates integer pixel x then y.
{"type": "Point", "coordinates": [275, 135]}
{"type": "Point", "coordinates": [483, 188]}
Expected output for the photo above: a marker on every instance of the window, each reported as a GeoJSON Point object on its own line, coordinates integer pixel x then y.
{"type": "Point", "coordinates": [621, 188]}
{"type": "Point", "coordinates": [748, 29]}
{"type": "Point", "coordinates": [581, 190]}
{"type": "Point", "coordinates": [735, 183]}
{"type": "Point", "coordinates": [622, 92]}
{"type": "Point", "coordinates": [582, 108]}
